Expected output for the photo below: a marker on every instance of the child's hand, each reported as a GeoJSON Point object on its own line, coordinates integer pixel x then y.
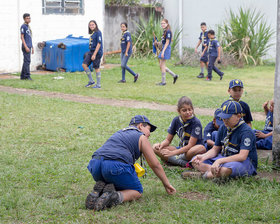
{"type": "Point", "coordinates": [168, 153]}
{"type": "Point", "coordinates": [156, 146]}
{"type": "Point", "coordinates": [260, 134]}
{"type": "Point", "coordinates": [198, 159]}
{"type": "Point", "coordinates": [93, 57]}
{"type": "Point", "coordinates": [216, 167]}
{"type": "Point", "coordinates": [162, 55]}
{"type": "Point", "coordinates": [27, 49]}
{"type": "Point", "coordinates": [265, 105]}
{"type": "Point", "coordinates": [170, 189]}
{"type": "Point", "coordinates": [195, 50]}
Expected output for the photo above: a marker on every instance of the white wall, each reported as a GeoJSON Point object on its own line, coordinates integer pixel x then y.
{"type": "Point", "coordinates": [214, 12]}
{"type": "Point", "coordinates": [44, 27]}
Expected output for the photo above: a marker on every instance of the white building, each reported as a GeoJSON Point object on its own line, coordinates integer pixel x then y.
{"type": "Point", "coordinates": [50, 19]}
{"type": "Point", "coordinates": [213, 12]}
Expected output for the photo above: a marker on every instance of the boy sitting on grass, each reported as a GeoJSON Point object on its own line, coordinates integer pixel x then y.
{"type": "Point", "coordinates": [211, 130]}
{"type": "Point", "coordinates": [264, 137]}
{"type": "Point", "coordinates": [236, 90]}
{"type": "Point", "coordinates": [234, 153]}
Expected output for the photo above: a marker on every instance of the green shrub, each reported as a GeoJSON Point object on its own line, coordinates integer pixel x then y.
{"type": "Point", "coordinates": [246, 35]}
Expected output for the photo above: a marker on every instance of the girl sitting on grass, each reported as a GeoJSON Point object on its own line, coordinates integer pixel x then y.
{"type": "Point", "coordinates": [189, 130]}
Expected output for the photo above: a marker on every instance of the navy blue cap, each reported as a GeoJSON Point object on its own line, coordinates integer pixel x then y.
{"type": "Point", "coordinates": [142, 119]}
{"type": "Point", "coordinates": [219, 120]}
{"type": "Point", "coordinates": [235, 82]}
{"type": "Point", "coordinates": [230, 108]}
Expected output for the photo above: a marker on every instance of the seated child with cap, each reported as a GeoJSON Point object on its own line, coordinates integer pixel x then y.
{"type": "Point", "coordinates": [264, 137]}
{"type": "Point", "coordinates": [234, 153]}
{"type": "Point", "coordinates": [189, 130]}
{"type": "Point", "coordinates": [236, 90]}
{"type": "Point", "coordinates": [211, 130]}
{"type": "Point", "coordinates": [112, 166]}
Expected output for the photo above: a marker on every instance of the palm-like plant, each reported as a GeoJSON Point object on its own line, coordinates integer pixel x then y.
{"type": "Point", "coordinates": [246, 35]}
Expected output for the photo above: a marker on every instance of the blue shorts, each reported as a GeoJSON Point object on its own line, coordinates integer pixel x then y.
{"type": "Point", "coordinates": [122, 175]}
{"type": "Point", "coordinates": [167, 53]}
{"type": "Point", "coordinates": [204, 58]}
{"type": "Point", "coordinates": [88, 61]}
{"type": "Point", "coordinates": [239, 169]}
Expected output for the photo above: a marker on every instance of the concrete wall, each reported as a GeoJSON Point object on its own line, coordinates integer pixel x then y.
{"type": "Point", "coordinates": [214, 12]}
{"type": "Point", "coordinates": [44, 27]}
{"type": "Point", "coordinates": [114, 16]}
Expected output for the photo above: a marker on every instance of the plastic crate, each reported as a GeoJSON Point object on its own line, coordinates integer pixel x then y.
{"type": "Point", "coordinates": [65, 53]}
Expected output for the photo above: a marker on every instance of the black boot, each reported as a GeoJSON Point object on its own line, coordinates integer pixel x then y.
{"type": "Point", "coordinates": [94, 195]}
{"type": "Point", "coordinates": [201, 75]}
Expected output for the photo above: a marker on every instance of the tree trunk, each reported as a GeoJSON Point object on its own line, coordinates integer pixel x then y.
{"type": "Point", "coordinates": [276, 112]}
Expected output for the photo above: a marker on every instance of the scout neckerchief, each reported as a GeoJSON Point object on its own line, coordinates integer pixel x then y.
{"type": "Point", "coordinates": [183, 128]}
{"type": "Point", "coordinates": [29, 29]}
{"type": "Point", "coordinates": [231, 99]}
{"type": "Point", "coordinates": [210, 43]}
{"type": "Point", "coordinates": [229, 132]}
{"type": "Point", "coordinates": [203, 37]}
{"type": "Point", "coordinates": [90, 39]}
{"type": "Point", "coordinates": [123, 34]}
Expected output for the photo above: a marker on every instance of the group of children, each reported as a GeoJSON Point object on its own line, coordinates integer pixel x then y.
{"type": "Point", "coordinates": [211, 51]}
{"type": "Point", "coordinates": [228, 149]}
{"type": "Point", "coordinates": [95, 53]}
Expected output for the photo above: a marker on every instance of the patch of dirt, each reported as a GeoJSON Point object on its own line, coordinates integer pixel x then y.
{"type": "Point", "coordinates": [272, 175]}
{"type": "Point", "coordinates": [194, 196]}
{"type": "Point", "coordinates": [42, 72]}
{"type": "Point", "coordinates": [112, 102]}
{"type": "Point", "coordinates": [109, 66]}
{"type": "Point", "coordinates": [8, 76]}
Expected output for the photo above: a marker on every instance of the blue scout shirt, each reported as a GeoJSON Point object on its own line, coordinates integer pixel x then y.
{"type": "Point", "coordinates": [242, 137]}
{"type": "Point", "coordinates": [126, 37]}
{"type": "Point", "coordinates": [213, 45]}
{"type": "Point", "coordinates": [269, 122]}
{"type": "Point", "coordinates": [24, 29]}
{"type": "Point", "coordinates": [246, 113]}
{"type": "Point", "coordinates": [204, 39]}
{"type": "Point", "coordinates": [167, 36]}
{"type": "Point", "coordinates": [95, 38]}
{"type": "Point", "coordinates": [191, 127]}
{"type": "Point", "coordinates": [122, 146]}
{"type": "Point", "coordinates": [208, 130]}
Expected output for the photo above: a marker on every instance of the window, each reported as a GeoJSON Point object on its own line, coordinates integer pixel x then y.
{"type": "Point", "coordinates": [63, 7]}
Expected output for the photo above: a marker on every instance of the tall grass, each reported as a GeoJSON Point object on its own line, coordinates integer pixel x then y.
{"type": "Point", "coordinates": [143, 37]}
{"type": "Point", "coordinates": [246, 35]}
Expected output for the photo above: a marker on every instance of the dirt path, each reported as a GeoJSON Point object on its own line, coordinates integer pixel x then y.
{"type": "Point", "coordinates": [135, 104]}
{"type": "Point", "coordinates": [112, 102]}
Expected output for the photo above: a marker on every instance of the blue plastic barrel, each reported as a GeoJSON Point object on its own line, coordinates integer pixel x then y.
{"type": "Point", "coordinates": [70, 59]}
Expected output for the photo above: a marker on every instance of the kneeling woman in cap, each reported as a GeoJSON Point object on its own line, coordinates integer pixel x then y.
{"type": "Point", "coordinates": [112, 166]}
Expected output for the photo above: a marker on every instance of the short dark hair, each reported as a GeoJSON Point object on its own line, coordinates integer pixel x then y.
{"type": "Point", "coordinates": [124, 23]}
{"type": "Point", "coordinates": [203, 24]}
{"type": "Point", "coordinates": [212, 32]}
{"type": "Point", "coordinates": [26, 15]}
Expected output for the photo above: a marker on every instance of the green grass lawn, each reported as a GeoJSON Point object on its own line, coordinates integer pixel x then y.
{"type": "Point", "coordinates": [258, 82]}
{"type": "Point", "coordinates": [45, 146]}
